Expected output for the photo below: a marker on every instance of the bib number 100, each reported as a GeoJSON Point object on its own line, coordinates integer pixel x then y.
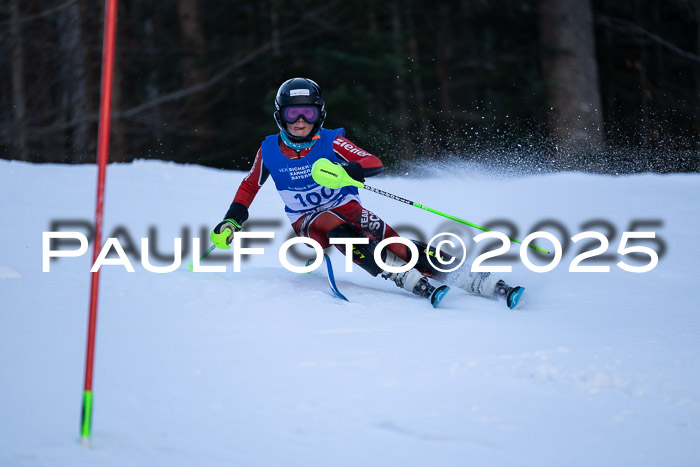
{"type": "Point", "coordinates": [315, 198]}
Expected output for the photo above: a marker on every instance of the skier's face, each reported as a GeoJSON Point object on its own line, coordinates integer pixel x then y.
{"type": "Point", "coordinates": [300, 128]}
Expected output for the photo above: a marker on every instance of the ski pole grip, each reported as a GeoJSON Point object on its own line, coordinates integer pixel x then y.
{"type": "Point", "coordinates": [332, 175]}
{"type": "Point", "coordinates": [219, 239]}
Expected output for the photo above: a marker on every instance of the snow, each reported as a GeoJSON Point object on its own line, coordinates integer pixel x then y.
{"type": "Point", "coordinates": [264, 367]}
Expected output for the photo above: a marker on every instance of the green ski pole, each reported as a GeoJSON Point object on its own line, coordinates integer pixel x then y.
{"type": "Point", "coordinates": [206, 253]}
{"type": "Point", "coordinates": [333, 175]}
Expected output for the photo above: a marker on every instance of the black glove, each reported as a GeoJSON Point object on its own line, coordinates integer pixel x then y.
{"type": "Point", "coordinates": [238, 212]}
{"type": "Point", "coordinates": [355, 170]}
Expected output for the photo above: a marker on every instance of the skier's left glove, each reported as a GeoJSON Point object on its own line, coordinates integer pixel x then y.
{"type": "Point", "coordinates": [355, 170]}
{"type": "Point", "coordinates": [222, 234]}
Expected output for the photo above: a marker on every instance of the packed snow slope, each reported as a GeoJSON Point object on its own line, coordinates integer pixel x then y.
{"type": "Point", "coordinates": [264, 367]}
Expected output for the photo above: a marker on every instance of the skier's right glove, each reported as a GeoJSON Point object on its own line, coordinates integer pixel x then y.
{"type": "Point", "coordinates": [222, 234]}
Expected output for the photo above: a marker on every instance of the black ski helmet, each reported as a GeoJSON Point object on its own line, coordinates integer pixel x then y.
{"type": "Point", "coordinates": [299, 91]}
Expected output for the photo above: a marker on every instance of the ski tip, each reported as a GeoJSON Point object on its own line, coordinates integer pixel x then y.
{"type": "Point", "coordinates": [438, 294]}
{"type": "Point", "coordinates": [514, 297]}
{"type": "Point", "coordinates": [331, 279]}
{"type": "Point", "coordinates": [341, 296]}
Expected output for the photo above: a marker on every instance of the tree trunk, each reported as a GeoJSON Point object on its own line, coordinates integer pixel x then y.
{"type": "Point", "coordinates": [118, 142]}
{"type": "Point", "coordinates": [195, 51]}
{"type": "Point", "coordinates": [425, 147]}
{"type": "Point", "coordinates": [372, 26]}
{"type": "Point", "coordinates": [697, 68]}
{"type": "Point", "coordinates": [406, 147]}
{"type": "Point", "coordinates": [570, 72]}
{"type": "Point", "coordinates": [275, 27]}
{"type": "Point", "coordinates": [193, 39]}
{"type": "Point", "coordinates": [641, 65]}
{"type": "Point", "coordinates": [18, 92]}
{"type": "Point", "coordinates": [444, 53]}
{"type": "Point", "coordinates": [74, 77]}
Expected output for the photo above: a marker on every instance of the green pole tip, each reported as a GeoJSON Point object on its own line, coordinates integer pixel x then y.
{"type": "Point", "coordinates": [85, 426]}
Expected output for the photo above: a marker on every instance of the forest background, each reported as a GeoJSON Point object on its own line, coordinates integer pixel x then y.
{"type": "Point", "coordinates": [595, 85]}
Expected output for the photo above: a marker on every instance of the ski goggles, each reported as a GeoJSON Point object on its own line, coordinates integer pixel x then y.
{"type": "Point", "coordinates": [310, 113]}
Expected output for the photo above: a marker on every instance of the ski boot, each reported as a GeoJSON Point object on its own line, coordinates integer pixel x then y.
{"type": "Point", "coordinates": [486, 285]}
{"type": "Point", "coordinates": [511, 294]}
{"type": "Point", "coordinates": [413, 281]}
{"type": "Point", "coordinates": [417, 284]}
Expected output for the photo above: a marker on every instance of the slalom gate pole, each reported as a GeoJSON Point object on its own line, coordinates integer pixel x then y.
{"type": "Point", "coordinates": [333, 175]}
{"type": "Point", "coordinates": [110, 26]}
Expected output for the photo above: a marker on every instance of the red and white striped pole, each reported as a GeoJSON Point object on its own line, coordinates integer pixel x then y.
{"type": "Point", "coordinates": [110, 28]}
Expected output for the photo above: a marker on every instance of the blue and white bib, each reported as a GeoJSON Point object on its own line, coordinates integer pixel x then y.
{"type": "Point", "coordinates": [299, 192]}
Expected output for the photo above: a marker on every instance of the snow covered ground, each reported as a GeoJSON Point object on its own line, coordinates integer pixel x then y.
{"type": "Point", "coordinates": [265, 368]}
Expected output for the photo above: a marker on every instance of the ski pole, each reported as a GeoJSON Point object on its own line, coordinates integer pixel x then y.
{"type": "Point", "coordinates": [206, 253]}
{"type": "Point", "coordinates": [218, 239]}
{"type": "Point", "coordinates": [333, 175]}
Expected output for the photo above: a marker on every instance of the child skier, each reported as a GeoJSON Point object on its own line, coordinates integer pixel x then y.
{"type": "Point", "coordinates": [321, 213]}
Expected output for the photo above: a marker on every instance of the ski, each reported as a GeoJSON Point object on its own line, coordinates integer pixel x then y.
{"type": "Point", "coordinates": [331, 279]}
{"type": "Point", "coordinates": [433, 294]}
